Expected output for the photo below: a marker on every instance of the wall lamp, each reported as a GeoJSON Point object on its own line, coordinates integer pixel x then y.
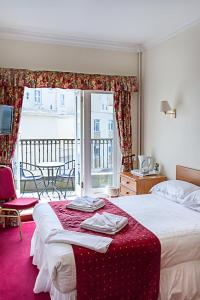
{"type": "Point", "coordinates": [167, 110]}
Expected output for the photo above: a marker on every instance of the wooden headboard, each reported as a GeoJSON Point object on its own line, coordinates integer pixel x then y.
{"type": "Point", "coordinates": [188, 174]}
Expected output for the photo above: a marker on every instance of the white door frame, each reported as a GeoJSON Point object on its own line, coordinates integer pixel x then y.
{"type": "Point", "coordinates": [86, 126]}
{"type": "Point", "coordinates": [86, 162]}
{"type": "Point", "coordinates": [85, 185]}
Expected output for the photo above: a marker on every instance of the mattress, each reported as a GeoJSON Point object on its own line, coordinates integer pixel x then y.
{"type": "Point", "coordinates": [177, 227]}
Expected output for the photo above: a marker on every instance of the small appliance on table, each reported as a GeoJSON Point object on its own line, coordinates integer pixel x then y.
{"type": "Point", "coordinates": [145, 163]}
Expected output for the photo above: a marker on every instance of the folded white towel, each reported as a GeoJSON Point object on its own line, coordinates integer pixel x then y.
{"type": "Point", "coordinates": [93, 242]}
{"type": "Point", "coordinates": [105, 223]}
{"type": "Point", "coordinates": [86, 203]}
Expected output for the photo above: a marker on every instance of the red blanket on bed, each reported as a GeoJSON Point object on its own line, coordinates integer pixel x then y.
{"type": "Point", "coordinates": [129, 270]}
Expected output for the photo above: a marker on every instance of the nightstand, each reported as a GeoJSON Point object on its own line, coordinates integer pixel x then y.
{"type": "Point", "coordinates": [135, 185]}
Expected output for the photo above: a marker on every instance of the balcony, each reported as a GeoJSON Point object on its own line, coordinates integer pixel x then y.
{"type": "Point", "coordinates": [35, 151]}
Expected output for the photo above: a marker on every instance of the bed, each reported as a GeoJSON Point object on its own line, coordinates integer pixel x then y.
{"type": "Point", "coordinates": [176, 226]}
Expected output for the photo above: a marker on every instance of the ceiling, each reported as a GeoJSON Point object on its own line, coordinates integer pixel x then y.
{"type": "Point", "coordinates": [129, 25]}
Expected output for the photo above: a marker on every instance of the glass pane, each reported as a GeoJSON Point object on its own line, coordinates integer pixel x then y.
{"type": "Point", "coordinates": [78, 144]}
{"type": "Point", "coordinates": [49, 134]}
{"type": "Point", "coordinates": [102, 132]}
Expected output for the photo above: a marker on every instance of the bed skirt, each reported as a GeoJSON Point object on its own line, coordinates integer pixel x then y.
{"type": "Point", "coordinates": [187, 273]}
{"type": "Point", "coordinates": [43, 281]}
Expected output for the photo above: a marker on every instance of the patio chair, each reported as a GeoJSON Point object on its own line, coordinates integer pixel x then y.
{"type": "Point", "coordinates": [30, 172]}
{"type": "Point", "coordinates": [66, 173]}
{"type": "Point", "coordinates": [10, 205]}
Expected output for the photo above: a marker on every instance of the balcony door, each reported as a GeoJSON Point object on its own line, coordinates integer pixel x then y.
{"type": "Point", "coordinates": [68, 126]}
{"type": "Point", "coordinates": [99, 142]}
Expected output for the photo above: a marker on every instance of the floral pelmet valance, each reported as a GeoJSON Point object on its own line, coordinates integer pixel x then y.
{"type": "Point", "coordinates": [66, 80]}
{"type": "Point", "coordinates": [13, 81]}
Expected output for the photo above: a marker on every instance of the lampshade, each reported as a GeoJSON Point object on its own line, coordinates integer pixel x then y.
{"type": "Point", "coordinates": [164, 106]}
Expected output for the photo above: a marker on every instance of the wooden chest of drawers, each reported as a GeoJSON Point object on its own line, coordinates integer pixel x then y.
{"type": "Point", "coordinates": [135, 185]}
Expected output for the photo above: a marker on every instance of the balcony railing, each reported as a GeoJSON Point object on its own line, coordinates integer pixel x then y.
{"type": "Point", "coordinates": [35, 151]}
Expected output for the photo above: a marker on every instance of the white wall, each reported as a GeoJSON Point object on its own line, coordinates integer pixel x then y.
{"type": "Point", "coordinates": [39, 56]}
{"type": "Point", "coordinates": [34, 126]}
{"type": "Point", "coordinates": [171, 71]}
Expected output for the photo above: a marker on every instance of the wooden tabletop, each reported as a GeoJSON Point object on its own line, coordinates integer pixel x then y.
{"type": "Point", "coordinates": [129, 174]}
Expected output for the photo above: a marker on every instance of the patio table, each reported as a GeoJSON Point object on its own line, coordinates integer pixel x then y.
{"type": "Point", "coordinates": [51, 167]}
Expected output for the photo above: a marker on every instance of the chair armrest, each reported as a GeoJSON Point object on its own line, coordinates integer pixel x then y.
{"type": "Point", "coordinates": [31, 165]}
{"type": "Point", "coordinates": [72, 172]}
{"type": "Point", "coordinates": [28, 171]}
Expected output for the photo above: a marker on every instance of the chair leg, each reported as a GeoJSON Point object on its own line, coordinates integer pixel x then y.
{"type": "Point", "coordinates": [15, 214]}
{"type": "Point", "coordinates": [67, 186]}
{"type": "Point", "coordinates": [20, 225]}
{"type": "Point", "coordinates": [72, 180]}
{"type": "Point", "coordinates": [24, 187]}
{"type": "Point", "coordinates": [37, 189]}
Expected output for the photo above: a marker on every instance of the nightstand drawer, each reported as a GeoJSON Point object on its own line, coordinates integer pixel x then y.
{"type": "Point", "coordinates": [129, 183]}
{"type": "Point", "coordinates": [135, 185]}
{"type": "Point", "coordinates": [124, 191]}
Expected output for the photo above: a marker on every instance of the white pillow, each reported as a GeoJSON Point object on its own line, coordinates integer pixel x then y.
{"type": "Point", "coordinates": [175, 190]}
{"type": "Point", "coordinates": [193, 200]}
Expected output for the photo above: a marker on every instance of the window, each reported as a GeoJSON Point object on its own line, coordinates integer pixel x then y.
{"type": "Point", "coordinates": [96, 125]}
{"type": "Point", "coordinates": [104, 102]}
{"type": "Point", "coordinates": [62, 99]}
{"type": "Point", "coordinates": [38, 97]}
{"type": "Point", "coordinates": [104, 107]}
{"type": "Point", "coordinates": [27, 96]}
{"type": "Point", "coordinates": [110, 125]}
{"type": "Point", "coordinates": [101, 154]}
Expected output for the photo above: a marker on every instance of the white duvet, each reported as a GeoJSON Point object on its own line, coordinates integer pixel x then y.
{"type": "Point", "coordinates": [177, 227]}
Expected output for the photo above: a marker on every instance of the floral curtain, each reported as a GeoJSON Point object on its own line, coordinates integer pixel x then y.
{"type": "Point", "coordinates": [122, 104]}
{"type": "Point", "coordinates": [10, 95]}
{"type": "Point", "coordinates": [12, 83]}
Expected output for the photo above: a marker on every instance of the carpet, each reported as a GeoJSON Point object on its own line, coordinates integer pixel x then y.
{"type": "Point", "coordinates": [17, 274]}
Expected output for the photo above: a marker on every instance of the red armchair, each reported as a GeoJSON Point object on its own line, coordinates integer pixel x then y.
{"type": "Point", "coordinates": [8, 200]}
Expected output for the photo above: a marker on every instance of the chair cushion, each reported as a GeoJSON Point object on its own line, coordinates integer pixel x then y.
{"type": "Point", "coordinates": [67, 173]}
{"type": "Point", "coordinates": [7, 187]}
{"type": "Point", "coordinates": [20, 203]}
{"type": "Point", "coordinates": [30, 178]}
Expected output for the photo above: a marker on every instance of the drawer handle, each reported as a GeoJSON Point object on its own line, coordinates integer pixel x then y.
{"type": "Point", "coordinates": [127, 182]}
{"type": "Point", "coordinates": [127, 193]}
